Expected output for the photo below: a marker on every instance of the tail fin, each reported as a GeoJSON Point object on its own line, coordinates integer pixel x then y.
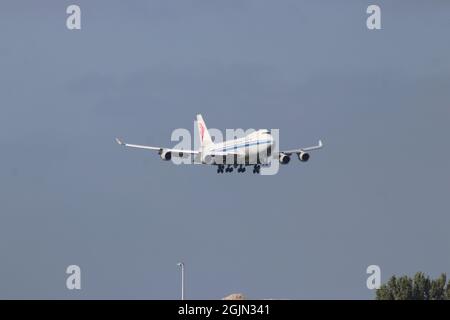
{"type": "Point", "coordinates": [205, 138]}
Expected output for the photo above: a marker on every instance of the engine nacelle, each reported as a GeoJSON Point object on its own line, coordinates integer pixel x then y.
{"type": "Point", "coordinates": [165, 155]}
{"type": "Point", "coordinates": [284, 158]}
{"type": "Point", "coordinates": [208, 159]}
{"type": "Point", "coordinates": [303, 156]}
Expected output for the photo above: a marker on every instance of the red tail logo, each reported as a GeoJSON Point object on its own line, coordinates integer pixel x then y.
{"type": "Point", "coordinates": [202, 130]}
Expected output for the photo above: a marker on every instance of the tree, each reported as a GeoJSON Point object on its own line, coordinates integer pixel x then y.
{"type": "Point", "coordinates": [438, 288]}
{"type": "Point", "coordinates": [419, 287]}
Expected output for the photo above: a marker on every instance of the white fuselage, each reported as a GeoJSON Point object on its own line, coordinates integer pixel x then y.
{"type": "Point", "coordinates": [254, 148]}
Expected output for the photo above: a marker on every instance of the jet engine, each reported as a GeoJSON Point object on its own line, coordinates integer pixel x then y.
{"type": "Point", "coordinates": [209, 159]}
{"type": "Point", "coordinates": [284, 158]}
{"type": "Point", "coordinates": [165, 155]}
{"type": "Point", "coordinates": [303, 156]}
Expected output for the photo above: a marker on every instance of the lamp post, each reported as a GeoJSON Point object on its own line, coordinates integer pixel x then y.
{"type": "Point", "coordinates": [181, 264]}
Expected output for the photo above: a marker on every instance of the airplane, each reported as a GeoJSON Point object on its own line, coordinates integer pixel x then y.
{"type": "Point", "coordinates": [255, 150]}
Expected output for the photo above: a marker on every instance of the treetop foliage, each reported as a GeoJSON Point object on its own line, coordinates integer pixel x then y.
{"type": "Point", "coordinates": [418, 287]}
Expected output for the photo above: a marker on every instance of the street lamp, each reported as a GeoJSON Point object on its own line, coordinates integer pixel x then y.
{"type": "Point", "coordinates": [181, 264]}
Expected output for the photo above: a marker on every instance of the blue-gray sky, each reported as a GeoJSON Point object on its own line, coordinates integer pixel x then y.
{"type": "Point", "coordinates": [377, 194]}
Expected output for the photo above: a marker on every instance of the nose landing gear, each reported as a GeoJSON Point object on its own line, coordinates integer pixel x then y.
{"type": "Point", "coordinates": [256, 168]}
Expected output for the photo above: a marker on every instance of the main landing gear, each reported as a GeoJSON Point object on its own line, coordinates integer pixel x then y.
{"type": "Point", "coordinates": [229, 168]}
{"type": "Point", "coordinates": [241, 168]}
{"type": "Point", "coordinates": [221, 168]}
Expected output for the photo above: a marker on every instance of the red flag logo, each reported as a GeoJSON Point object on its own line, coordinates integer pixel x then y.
{"type": "Point", "coordinates": [202, 130]}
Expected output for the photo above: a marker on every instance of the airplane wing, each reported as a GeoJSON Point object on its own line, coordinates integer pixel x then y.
{"type": "Point", "coordinates": [175, 152]}
{"type": "Point", "coordinates": [318, 146]}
